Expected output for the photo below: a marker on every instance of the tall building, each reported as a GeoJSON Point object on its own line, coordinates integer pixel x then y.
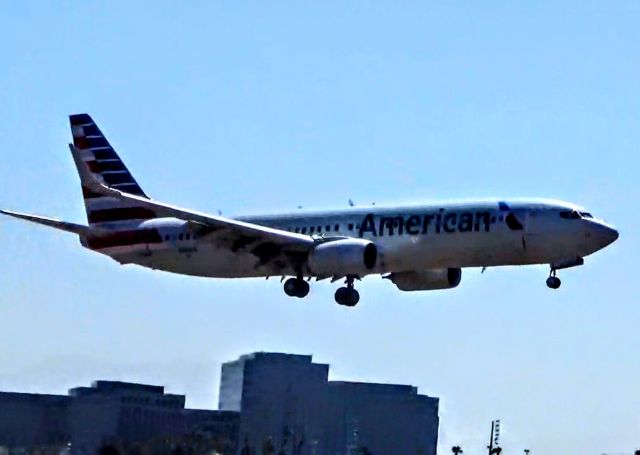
{"type": "Point", "coordinates": [286, 402]}
{"type": "Point", "coordinates": [281, 398]}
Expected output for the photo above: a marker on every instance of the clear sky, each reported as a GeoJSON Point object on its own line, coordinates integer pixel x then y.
{"type": "Point", "coordinates": [254, 107]}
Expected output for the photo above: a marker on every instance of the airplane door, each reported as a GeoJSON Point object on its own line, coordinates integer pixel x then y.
{"type": "Point", "coordinates": [532, 230]}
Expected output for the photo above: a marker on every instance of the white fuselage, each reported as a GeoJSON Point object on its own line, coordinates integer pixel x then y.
{"type": "Point", "coordinates": [410, 238]}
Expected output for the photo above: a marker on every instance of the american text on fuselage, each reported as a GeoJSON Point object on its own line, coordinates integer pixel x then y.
{"type": "Point", "coordinates": [419, 248]}
{"type": "Point", "coordinates": [424, 248]}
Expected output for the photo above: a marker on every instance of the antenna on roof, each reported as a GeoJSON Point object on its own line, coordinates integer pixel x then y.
{"type": "Point", "coordinates": [351, 204]}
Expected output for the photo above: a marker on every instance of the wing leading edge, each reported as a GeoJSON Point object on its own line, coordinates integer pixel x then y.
{"type": "Point", "coordinates": [267, 243]}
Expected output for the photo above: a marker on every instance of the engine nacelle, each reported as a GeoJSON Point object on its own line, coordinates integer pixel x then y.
{"type": "Point", "coordinates": [427, 280]}
{"type": "Point", "coordinates": [343, 257]}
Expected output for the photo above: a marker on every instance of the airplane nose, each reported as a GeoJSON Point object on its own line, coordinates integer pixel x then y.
{"type": "Point", "coordinates": [606, 234]}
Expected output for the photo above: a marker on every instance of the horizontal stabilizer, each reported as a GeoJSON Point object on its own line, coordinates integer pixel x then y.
{"type": "Point", "coordinates": [62, 225]}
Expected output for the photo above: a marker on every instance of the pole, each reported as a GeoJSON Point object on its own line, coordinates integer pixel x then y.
{"type": "Point", "coordinates": [490, 446]}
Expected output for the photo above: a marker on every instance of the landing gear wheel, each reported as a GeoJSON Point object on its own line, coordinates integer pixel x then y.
{"type": "Point", "coordinates": [347, 296]}
{"type": "Point", "coordinates": [296, 287]}
{"type": "Point", "coordinates": [303, 289]}
{"type": "Point", "coordinates": [554, 282]}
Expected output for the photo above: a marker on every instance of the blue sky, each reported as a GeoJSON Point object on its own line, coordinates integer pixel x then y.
{"type": "Point", "coordinates": [249, 107]}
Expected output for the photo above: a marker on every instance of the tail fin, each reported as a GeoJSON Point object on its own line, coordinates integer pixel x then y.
{"type": "Point", "coordinates": [104, 163]}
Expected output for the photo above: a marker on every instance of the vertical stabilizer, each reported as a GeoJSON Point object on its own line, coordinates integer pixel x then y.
{"type": "Point", "coordinates": [104, 163]}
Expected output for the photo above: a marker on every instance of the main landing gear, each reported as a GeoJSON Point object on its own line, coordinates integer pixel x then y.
{"type": "Point", "coordinates": [347, 295]}
{"type": "Point", "coordinates": [296, 287]}
{"type": "Point", "coordinates": [553, 281]}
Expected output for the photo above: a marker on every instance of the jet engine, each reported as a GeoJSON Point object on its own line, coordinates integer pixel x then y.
{"type": "Point", "coordinates": [343, 257]}
{"type": "Point", "coordinates": [427, 280]}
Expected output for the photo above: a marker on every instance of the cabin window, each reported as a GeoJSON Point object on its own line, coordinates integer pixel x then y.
{"type": "Point", "coordinates": [312, 229]}
{"type": "Point", "coordinates": [570, 215]}
{"type": "Point", "coordinates": [351, 226]}
{"type": "Point", "coordinates": [336, 227]}
{"type": "Point", "coordinates": [319, 228]}
{"type": "Point", "coordinates": [297, 229]}
{"type": "Point", "coordinates": [166, 238]}
{"type": "Point", "coordinates": [327, 228]}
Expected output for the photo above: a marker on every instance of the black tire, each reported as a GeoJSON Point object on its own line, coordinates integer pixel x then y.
{"type": "Point", "coordinates": [347, 297]}
{"type": "Point", "coordinates": [553, 282]}
{"type": "Point", "coordinates": [303, 289]}
{"type": "Point", "coordinates": [291, 287]}
{"type": "Point", "coordinates": [341, 296]}
{"type": "Point", "coordinates": [353, 297]}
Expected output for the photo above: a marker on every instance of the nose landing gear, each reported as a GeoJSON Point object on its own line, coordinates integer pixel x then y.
{"type": "Point", "coordinates": [296, 287]}
{"type": "Point", "coordinates": [347, 295]}
{"type": "Point", "coordinates": [553, 281]}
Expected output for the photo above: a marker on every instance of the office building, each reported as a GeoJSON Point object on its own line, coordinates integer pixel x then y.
{"type": "Point", "coordinates": [114, 413]}
{"type": "Point", "coordinates": [286, 402]}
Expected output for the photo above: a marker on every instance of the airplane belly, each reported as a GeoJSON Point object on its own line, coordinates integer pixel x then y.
{"type": "Point", "coordinates": [453, 250]}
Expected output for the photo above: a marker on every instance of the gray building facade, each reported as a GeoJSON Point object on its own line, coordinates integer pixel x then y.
{"type": "Point", "coordinates": [381, 418]}
{"type": "Point", "coordinates": [32, 419]}
{"type": "Point", "coordinates": [281, 398]}
{"type": "Point", "coordinates": [287, 405]}
{"type": "Point", "coordinates": [108, 413]}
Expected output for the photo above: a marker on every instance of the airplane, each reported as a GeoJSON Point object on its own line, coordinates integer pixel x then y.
{"type": "Point", "coordinates": [418, 247]}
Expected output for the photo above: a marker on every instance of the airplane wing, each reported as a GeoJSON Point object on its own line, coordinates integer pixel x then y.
{"type": "Point", "coordinates": [62, 225]}
{"type": "Point", "coordinates": [272, 246]}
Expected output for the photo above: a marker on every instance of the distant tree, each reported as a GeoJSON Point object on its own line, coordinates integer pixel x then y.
{"type": "Point", "coordinates": [268, 448]}
{"type": "Point", "coordinates": [108, 449]}
{"type": "Point", "coordinates": [457, 450]}
{"type": "Point", "coordinates": [246, 449]}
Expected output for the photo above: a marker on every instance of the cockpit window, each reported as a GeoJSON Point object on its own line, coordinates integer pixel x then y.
{"type": "Point", "coordinates": [586, 215]}
{"type": "Point", "coordinates": [570, 214]}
